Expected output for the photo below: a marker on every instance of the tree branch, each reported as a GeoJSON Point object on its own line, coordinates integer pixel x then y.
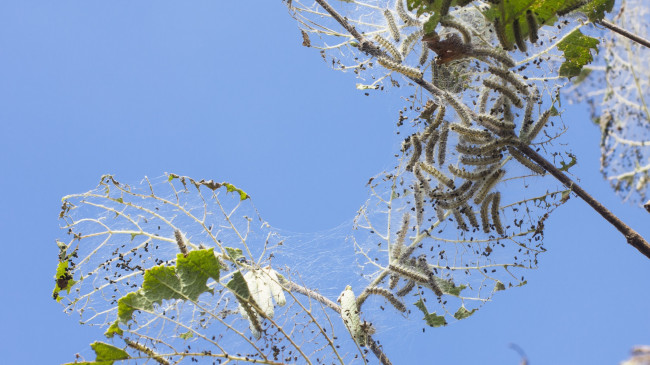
{"type": "Point", "coordinates": [632, 236]}
{"type": "Point", "coordinates": [624, 33]}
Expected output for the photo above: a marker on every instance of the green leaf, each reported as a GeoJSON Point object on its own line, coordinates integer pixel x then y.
{"type": "Point", "coordinates": [507, 11]}
{"type": "Point", "coordinates": [186, 281]}
{"type": "Point", "coordinates": [120, 200]}
{"type": "Point", "coordinates": [238, 285]}
{"type": "Point", "coordinates": [105, 354]}
{"type": "Point", "coordinates": [448, 286]}
{"type": "Point", "coordinates": [113, 330]}
{"type": "Point", "coordinates": [567, 166]}
{"type": "Point", "coordinates": [463, 313]}
{"type": "Point", "coordinates": [231, 188]}
{"type": "Point", "coordinates": [234, 253]}
{"type": "Point", "coordinates": [499, 286]}
{"type": "Point", "coordinates": [134, 235]}
{"type": "Point", "coordinates": [596, 9]}
{"type": "Point", "coordinates": [432, 319]}
{"type": "Point", "coordinates": [62, 279]}
{"type": "Point", "coordinates": [187, 335]}
{"type": "Point", "coordinates": [577, 52]}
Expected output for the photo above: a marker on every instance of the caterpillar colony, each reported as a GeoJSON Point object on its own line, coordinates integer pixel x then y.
{"type": "Point", "coordinates": [461, 176]}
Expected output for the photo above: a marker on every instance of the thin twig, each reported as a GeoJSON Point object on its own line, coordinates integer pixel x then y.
{"type": "Point", "coordinates": [640, 40]}
{"type": "Point", "coordinates": [632, 236]}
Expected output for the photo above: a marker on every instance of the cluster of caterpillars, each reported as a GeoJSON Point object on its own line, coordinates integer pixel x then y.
{"type": "Point", "coordinates": [486, 141]}
{"type": "Point", "coordinates": [398, 53]}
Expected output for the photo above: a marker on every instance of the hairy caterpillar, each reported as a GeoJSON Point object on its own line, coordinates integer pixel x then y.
{"type": "Point", "coordinates": [442, 145]}
{"type": "Point", "coordinates": [408, 273]}
{"type": "Point", "coordinates": [439, 118]}
{"type": "Point", "coordinates": [389, 47]}
{"type": "Point", "coordinates": [450, 22]}
{"type": "Point", "coordinates": [460, 200]}
{"type": "Point", "coordinates": [452, 193]}
{"type": "Point", "coordinates": [531, 100]}
{"type": "Point", "coordinates": [504, 91]}
{"type": "Point", "coordinates": [480, 160]}
{"type": "Point", "coordinates": [428, 110]}
{"type": "Point", "coordinates": [492, 146]}
{"type": "Point", "coordinates": [483, 101]}
{"type": "Point", "coordinates": [489, 183]}
{"type": "Point", "coordinates": [494, 124]}
{"type": "Point", "coordinates": [537, 127]}
{"type": "Point", "coordinates": [180, 241]}
{"type": "Point", "coordinates": [470, 175]}
{"type": "Point", "coordinates": [424, 266]}
{"type": "Point", "coordinates": [389, 296]}
{"type": "Point", "coordinates": [146, 350]}
{"type": "Point", "coordinates": [474, 135]}
{"type": "Point", "coordinates": [247, 312]}
{"type": "Point", "coordinates": [572, 7]}
{"type": "Point", "coordinates": [507, 112]}
{"type": "Point", "coordinates": [469, 213]}
{"type": "Point", "coordinates": [525, 161]}
{"type": "Point", "coordinates": [485, 217]}
{"type": "Point", "coordinates": [392, 282]}
{"type": "Point", "coordinates": [419, 201]}
{"type": "Point", "coordinates": [424, 54]}
{"type": "Point", "coordinates": [509, 77]}
{"type": "Point", "coordinates": [417, 151]}
{"type": "Point", "coordinates": [350, 315]}
{"type": "Point", "coordinates": [401, 12]}
{"type": "Point", "coordinates": [401, 236]}
{"type": "Point", "coordinates": [460, 108]}
{"type": "Point", "coordinates": [437, 174]}
{"type": "Point", "coordinates": [406, 288]}
{"type": "Point", "coordinates": [444, 7]}
{"type": "Point", "coordinates": [407, 44]}
{"type": "Point", "coordinates": [424, 182]}
{"type": "Point", "coordinates": [500, 29]}
{"type": "Point", "coordinates": [496, 201]}
{"type": "Point", "coordinates": [459, 219]}
{"type": "Point", "coordinates": [392, 26]}
{"type": "Point", "coordinates": [440, 214]}
{"type": "Point", "coordinates": [490, 52]}
{"type": "Point", "coordinates": [431, 144]}
{"type": "Point", "coordinates": [516, 29]}
{"type": "Point", "coordinates": [404, 70]}
{"type": "Point", "coordinates": [532, 26]}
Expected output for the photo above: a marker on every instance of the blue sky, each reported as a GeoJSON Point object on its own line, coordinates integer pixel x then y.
{"type": "Point", "coordinates": [225, 91]}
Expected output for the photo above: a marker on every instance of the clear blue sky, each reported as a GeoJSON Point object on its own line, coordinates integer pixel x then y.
{"type": "Point", "coordinates": [225, 91]}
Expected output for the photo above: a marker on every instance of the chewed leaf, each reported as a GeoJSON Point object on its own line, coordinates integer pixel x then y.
{"type": "Point", "coordinates": [431, 319]}
{"type": "Point", "coordinates": [113, 330]}
{"type": "Point", "coordinates": [596, 9]}
{"type": "Point", "coordinates": [238, 285]}
{"type": "Point", "coordinates": [577, 52]}
{"type": "Point", "coordinates": [231, 188]}
{"type": "Point", "coordinates": [105, 354]}
{"type": "Point", "coordinates": [463, 313]}
{"type": "Point", "coordinates": [186, 281]}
